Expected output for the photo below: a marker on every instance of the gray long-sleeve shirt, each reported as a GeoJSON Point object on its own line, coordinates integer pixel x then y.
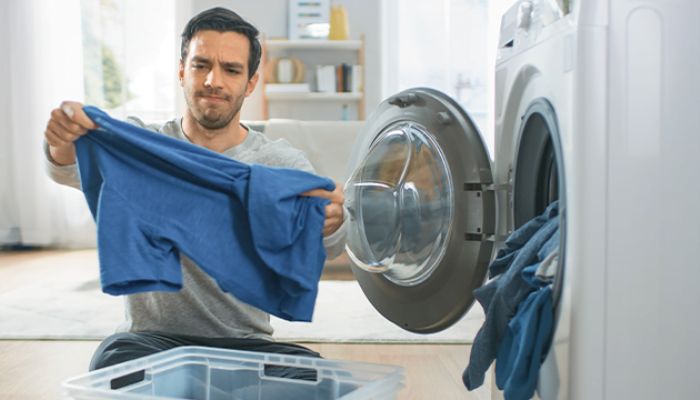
{"type": "Point", "coordinates": [201, 308]}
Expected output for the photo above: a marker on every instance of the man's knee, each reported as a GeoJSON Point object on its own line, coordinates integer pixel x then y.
{"type": "Point", "coordinates": [127, 346]}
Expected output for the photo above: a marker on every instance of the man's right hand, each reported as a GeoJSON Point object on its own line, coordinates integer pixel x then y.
{"type": "Point", "coordinates": [68, 122]}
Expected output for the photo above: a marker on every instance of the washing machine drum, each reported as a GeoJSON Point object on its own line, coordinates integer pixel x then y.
{"type": "Point", "coordinates": [420, 220]}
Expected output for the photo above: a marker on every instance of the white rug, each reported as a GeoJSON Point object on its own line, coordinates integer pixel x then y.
{"type": "Point", "coordinates": [63, 301]}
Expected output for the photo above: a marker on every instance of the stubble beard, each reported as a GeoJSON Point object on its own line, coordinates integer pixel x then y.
{"type": "Point", "coordinates": [214, 120]}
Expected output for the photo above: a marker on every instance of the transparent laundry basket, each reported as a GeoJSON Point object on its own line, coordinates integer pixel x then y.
{"type": "Point", "coordinates": [203, 373]}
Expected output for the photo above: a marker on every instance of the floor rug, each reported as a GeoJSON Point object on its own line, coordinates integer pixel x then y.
{"type": "Point", "coordinates": [56, 295]}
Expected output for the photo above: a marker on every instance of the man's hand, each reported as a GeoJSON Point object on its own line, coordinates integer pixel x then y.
{"type": "Point", "coordinates": [67, 123]}
{"type": "Point", "coordinates": [334, 211]}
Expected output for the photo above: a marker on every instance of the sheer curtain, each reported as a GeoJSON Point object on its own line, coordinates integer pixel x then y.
{"type": "Point", "coordinates": [43, 65]}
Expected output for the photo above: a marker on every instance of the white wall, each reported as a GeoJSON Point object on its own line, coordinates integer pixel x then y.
{"type": "Point", "coordinates": [270, 17]}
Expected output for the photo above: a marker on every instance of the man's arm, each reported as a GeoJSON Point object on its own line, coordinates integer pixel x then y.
{"type": "Point", "coordinates": [66, 124]}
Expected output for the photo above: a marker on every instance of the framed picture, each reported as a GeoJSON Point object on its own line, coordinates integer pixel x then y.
{"type": "Point", "coordinates": [309, 19]}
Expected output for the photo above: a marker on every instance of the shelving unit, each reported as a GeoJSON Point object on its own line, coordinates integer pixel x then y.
{"type": "Point", "coordinates": [280, 44]}
{"type": "Point", "coordinates": [311, 53]}
{"type": "Point", "coordinates": [313, 96]}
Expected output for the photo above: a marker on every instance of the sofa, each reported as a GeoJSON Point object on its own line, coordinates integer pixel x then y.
{"type": "Point", "coordinates": [327, 144]}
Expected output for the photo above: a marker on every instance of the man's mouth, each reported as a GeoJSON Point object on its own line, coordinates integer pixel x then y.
{"type": "Point", "coordinates": [214, 98]}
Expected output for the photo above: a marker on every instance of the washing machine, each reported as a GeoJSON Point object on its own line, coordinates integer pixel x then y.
{"type": "Point", "coordinates": [597, 105]}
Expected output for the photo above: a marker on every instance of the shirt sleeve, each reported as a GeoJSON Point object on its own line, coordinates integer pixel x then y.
{"type": "Point", "coordinates": [63, 174]}
{"type": "Point", "coordinates": [335, 242]}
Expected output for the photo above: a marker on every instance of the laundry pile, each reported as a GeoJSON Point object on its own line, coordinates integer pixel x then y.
{"type": "Point", "coordinates": [517, 301]}
{"type": "Point", "coordinates": [154, 197]}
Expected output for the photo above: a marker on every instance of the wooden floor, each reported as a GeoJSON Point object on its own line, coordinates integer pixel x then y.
{"type": "Point", "coordinates": [35, 369]}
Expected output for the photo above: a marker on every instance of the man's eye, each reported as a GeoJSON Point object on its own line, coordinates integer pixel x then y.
{"type": "Point", "coordinates": [197, 66]}
{"type": "Point", "coordinates": [233, 71]}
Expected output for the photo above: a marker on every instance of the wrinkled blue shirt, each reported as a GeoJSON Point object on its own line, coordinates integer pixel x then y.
{"type": "Point", "coordinates": [153, 197]}
{"type": "Point", "coordinates": [513, 270]}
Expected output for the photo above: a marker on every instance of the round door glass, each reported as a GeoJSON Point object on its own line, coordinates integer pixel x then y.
{"type": "Point", "coordinates": [400, 204]}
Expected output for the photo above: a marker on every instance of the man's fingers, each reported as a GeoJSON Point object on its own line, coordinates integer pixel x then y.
{"type": "Point", "coordinates": [318, 193]}
{"type": "Point", "coordinates": [53, 139]}
{"type": "Point", "coordinates": [334, 218]}
{"type": "Point", "coordinates": [333, 210]}
{"type": "Point", "coordinates": [64, 133]}
{"type": "Point", "coordinates": [330, 226]}
{"type": "Point", "coordinates": [67, 124]}
{"type": "Point", "coordinates": [332, 222]}
{"type": "Point", "coordinates": [74, 112]}
{"type": "Point", "coordinates": [62, 122]}
{"type": "Point", "coordinates": [335, 196]}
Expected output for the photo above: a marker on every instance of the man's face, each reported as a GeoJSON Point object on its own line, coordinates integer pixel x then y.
{"type": "Point", "coordinates": [214, 77]}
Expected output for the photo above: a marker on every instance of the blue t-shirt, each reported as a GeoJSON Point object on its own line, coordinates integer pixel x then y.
{"type": "Point", "coordinates": [153, 197]}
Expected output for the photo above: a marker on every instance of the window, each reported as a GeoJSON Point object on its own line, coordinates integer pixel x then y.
{"type": "Point", "coordinates": [448, 45]}
{"type": "Point", "coordinates": [130, 53]}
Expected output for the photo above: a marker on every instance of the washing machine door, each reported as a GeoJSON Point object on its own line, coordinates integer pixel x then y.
{"type": "Point", "coordinates": [420, 210]}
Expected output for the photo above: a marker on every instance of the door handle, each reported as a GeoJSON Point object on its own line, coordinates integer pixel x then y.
{"type": "Point", "coordinates": [404, 100]}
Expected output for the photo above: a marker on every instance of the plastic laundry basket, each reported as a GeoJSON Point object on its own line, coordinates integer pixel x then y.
{"type": "Point", "coordinates": [203, 373]}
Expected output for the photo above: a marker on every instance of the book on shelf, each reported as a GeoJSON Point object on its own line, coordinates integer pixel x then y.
{"type": "Point", "coordinates": [356, 79]}
{"type": "Point", "coordinates": [325, 78]}
{"type": "Point", "coordinates": [287, 88]}
{"type": "Point", "coordinates": [341, 78]}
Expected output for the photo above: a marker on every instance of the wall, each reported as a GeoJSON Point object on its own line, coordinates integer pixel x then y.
{"type": "Point", "coordinates": [270, 17]}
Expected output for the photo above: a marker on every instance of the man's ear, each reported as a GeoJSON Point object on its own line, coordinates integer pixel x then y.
{"type": "Point", "coordinates": [181, 72]}
{"type": "Point", "coordinates": [251, 84]}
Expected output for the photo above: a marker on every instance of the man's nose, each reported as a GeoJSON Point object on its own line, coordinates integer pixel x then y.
{"type": "Point", "coordinates": [213, 78]}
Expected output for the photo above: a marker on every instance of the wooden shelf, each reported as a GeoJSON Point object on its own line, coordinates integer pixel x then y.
{"type": "Point", "coordinates": [314, 96]}
{"type": "Point", "coordinates": [281, 44]}
{"type": "Point", "coordinates": [312, 52]}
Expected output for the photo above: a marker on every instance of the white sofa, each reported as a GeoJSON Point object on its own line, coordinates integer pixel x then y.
{"type": "Point", "coordinates": [327, 144]}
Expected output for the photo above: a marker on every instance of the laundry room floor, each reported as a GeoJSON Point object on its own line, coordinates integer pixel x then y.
{"type": "Point", "coordinates": [34, 369]}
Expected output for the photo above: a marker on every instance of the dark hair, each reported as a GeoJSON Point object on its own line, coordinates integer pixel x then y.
{"type": "Point", "coordinates": [223, 20]}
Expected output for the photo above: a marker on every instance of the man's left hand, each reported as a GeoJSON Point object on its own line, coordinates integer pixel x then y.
{"type": "Point", "coordinates": [334, 211]}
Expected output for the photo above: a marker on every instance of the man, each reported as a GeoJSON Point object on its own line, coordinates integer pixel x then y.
{"type": "Point", "coordinates": [220, 54]}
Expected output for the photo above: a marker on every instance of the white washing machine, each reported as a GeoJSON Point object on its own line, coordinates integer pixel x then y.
{"type": "Point", "coordinates": [597, 105]}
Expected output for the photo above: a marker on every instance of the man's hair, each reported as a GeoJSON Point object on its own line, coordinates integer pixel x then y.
{"type": "Point", "coordinates": [220, 19]}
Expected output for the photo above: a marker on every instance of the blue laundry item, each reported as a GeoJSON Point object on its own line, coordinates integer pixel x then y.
{"type": "Point", "coordinates": [153, 197]}
{"type": "Point", "coordinates": [529, 273]}
{"type": "Point", "coordinates": [529, 333]}
{"type": "Point", "coordinates": [524, 346]}
{"type": "Point", "coordinates": [500, 297]}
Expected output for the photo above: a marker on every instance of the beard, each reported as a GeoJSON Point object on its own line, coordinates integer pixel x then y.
{"type": "Point", "coordinates": [214, 117]}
